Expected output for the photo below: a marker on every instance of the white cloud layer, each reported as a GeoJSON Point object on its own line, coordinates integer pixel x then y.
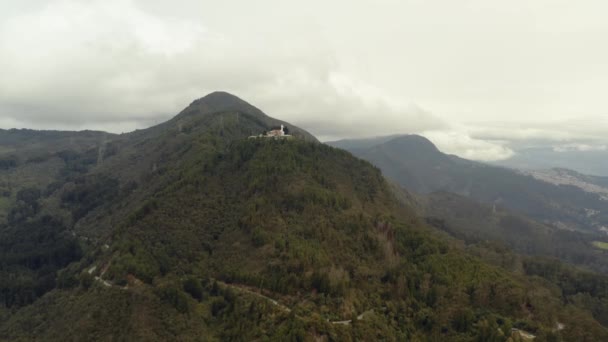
{"type": "Point", "coordinates": [472, 75]}
{"type": "Point", "coordinates": [579, 148]}
{"type": "Point", "coordinates": [464, 146]}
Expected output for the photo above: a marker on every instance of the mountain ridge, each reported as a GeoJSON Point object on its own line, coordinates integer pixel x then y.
{"type": "Point", "coordinates": [424, 170]}
{"type": "Point", "coordinates": [221, 102]}
{"type": "Point", "coordinates": [569, 205]}
{"type": "Point", "coordinates": [165, 233]}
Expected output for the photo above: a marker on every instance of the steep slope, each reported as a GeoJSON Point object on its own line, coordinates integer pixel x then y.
{"type": "Point", "coordinates": [417, 165]}
{"type": "Point", "coordinates": [496, 230]}
{"type": "Point", "coordinates": [62, 190]}
{"type": "Point", "coordinates": [192, 231]}
{"type": "Point", "coordinates": [31, 158]}
{"type": "Point", "coordinates": [361, 144]}
{"type": "Point", "coordinates": [35, 237]}
{"type": "Point", "coordinates": [222, 103]}
{"type": "Point", "coordinates": [473, 222]}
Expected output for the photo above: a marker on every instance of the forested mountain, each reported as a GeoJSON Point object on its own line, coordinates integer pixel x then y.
{"type": "Point", "coordinates": [473, 222]}
{"type": "Point", "coordinates": [416, 164]}
{"type": "Point", "coordinates": [192, 230]}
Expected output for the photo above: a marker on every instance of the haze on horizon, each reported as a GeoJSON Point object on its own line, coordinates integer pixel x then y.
{"type": "Point", "coordinates": [477, 77]}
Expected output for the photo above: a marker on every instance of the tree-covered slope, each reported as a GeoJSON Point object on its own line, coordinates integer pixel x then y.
{"type": "Point", "coordinates": [416, 164]}
{"type": "Point", "coordinates": [473, 222]}
{"type": "Point", "coordinates": [193, 231]}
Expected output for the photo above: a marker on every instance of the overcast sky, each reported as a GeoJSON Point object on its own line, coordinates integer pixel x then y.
{"type": "Point", "coordinates": [472, 75]}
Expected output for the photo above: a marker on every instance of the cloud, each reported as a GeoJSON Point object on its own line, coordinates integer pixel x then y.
{"type": "Point", "coordinates": [77, 62]}
{"type": "Point", "coordinates": [494, 141]}
{"type": "Point", "coordinates": [332, 105]}
{"type": "Point", "coordinates": [388, 68]}
{"type": "Point", "coordinates": [579, 148]}
{"type": "Point", "coordinates": [583, 134]}
{"type": "Point", "coordinates": [463, 145]}
{"type": "Point", "coordinates": [111, 65]}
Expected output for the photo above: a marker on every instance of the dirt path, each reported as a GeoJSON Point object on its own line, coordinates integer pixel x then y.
{"type": "Point", "coordinates": [237, 287]}
{"type": "Point", "coordinates": [249, 290]}
{"type": "Point", "coordinates": [255, 292]}
{"type": "Point", "coordinates": [526, 336]}
{"type": "Point", "coordinates": [104, 282]}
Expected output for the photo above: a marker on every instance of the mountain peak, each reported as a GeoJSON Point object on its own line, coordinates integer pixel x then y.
{"type": "Point", "coordinates": [414, 143]}
{"type": "Point", "coordinates": [221, 101]}
{"type": "Point", "coordinates": [220, 97]}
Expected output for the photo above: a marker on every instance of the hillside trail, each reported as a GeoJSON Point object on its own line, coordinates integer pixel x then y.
{"type": "Point", "coordinates": [236, 287]}
{"type": "Point", "coordinates": [256, 292]}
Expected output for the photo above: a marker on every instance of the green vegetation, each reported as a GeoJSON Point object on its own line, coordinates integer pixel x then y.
{"type": "Point", "coordinates": [191, 231]}
{"type": "Point", "coordinates": [472, 222]}
{"type": "Point", "coordinates": [416, 164]}
{"type": "Point", "coordinates": [32, 249]}
{"type": "Point", "coordinates": [601, 245]}
{"type": "Point", "coordinates": [528, 215]}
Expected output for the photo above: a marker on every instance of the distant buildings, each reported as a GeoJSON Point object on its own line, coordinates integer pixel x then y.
{"type": "Point", "coordinates": [277, 132]}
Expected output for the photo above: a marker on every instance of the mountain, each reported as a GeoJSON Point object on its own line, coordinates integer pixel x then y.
{"type": "Point", "coordinates": [474, 222]}
{"type": "Point", "coordinates": [361, 144]}
{"type": "Point", "coordinates": [192, 230]}
{"type": "Point", "coordinates": [569, 208]}
{"type": "Point", "coordinates": [222, 103]}
{"type": "Point", "coordinates": [416, 164]}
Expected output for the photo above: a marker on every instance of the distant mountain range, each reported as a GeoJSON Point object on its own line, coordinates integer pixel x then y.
{"type": "Point", "coordinates": [592, 160]}
{"type": "Point", "coordinates": [195, 230]}
{"type": "Point", "coordinates": [416, 164]}
{"type": "Point", "coordinates": [558, 213]}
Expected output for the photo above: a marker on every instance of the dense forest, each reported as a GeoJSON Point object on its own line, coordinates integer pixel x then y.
{"type": "Point", "coordinates": [416, 164]}
{"type": "Point", "coordinates": [192, 231]}
{"type": "Point", "coordinates": [474, 222]}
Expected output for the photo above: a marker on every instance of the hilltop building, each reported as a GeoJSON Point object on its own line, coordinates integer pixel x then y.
{"type": "Point", "coordinates": [277, 132]}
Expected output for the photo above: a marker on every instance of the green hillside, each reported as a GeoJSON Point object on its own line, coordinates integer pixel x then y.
{"type": "Point", "coordinates": [416, 164]}
{"type": "Point", "coordinates": [543, 218]}
{"type": "Point", "coordinates": [191, 230]}
{"type": "Point", "coordinates": [473, 222]}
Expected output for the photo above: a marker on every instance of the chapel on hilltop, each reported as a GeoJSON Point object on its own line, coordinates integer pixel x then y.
{"type": "Point", "coordinates": [276, 132]}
